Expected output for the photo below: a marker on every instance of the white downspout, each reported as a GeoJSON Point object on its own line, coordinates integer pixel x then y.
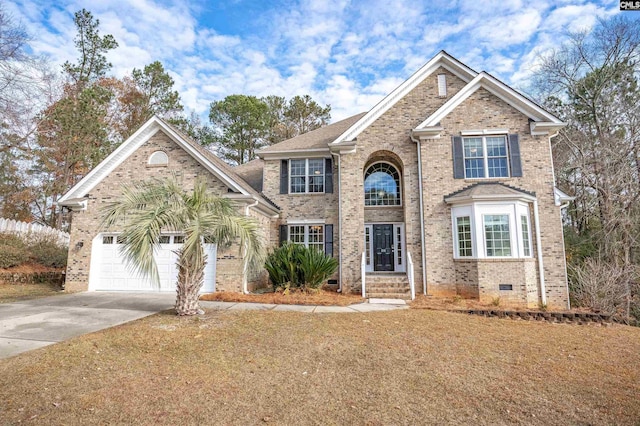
{"type": "Point", "coordinates": [564, 256]}
{"type": "Point", "coordinates": [536, 218]}
{"type": "Point", "coordinates": [339, 224]}
{"type": "Point", "coordinates": [244, 271]}
{"type": "Point", "coordinates": [422, 244]}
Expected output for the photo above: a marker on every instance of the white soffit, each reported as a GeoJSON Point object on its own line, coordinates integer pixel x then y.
{"type": "Point", "coordinates": [442, 59]}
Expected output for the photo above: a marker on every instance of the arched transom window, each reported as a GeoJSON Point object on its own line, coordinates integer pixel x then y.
{"type": "Point", "coordinates": [382, 185]}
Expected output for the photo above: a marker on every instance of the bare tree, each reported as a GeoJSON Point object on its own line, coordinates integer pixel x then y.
{"type": "Point", "coordinates": [592, 83]}
{"type": "Point", "coordinates": [26, 83]}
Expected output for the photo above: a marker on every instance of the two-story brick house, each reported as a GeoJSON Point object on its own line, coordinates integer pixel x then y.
{"type": "Point", "coordinates": [445, 187]}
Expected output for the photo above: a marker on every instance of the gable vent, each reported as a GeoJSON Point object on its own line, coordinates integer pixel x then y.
{"type": "Point", "coordinates": [442, 85]}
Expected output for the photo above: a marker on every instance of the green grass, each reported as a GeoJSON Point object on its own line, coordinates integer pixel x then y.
{"type": "Point", "coordinates": [399, 367]}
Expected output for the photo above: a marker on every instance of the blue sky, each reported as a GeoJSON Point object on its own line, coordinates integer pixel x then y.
{"type": "Point", "coordinates": [349, 54]}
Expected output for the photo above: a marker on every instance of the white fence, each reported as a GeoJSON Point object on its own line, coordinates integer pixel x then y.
{"type": "Point", "coordinates": [16, 227]}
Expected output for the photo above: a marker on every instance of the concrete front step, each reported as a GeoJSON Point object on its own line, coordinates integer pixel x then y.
{"type": "Point", "coordinates": [401, 296]}
{"type": "Point", "coordinates": [387, 278]}
{"type": "Point", "coordinates": [400, 286]}
{"type": "Point", "coordinates": [389, 286]}
{"type": "Point", "coordinates": [386, 289]}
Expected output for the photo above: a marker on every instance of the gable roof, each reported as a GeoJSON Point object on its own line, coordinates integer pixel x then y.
{"type": "Point", "coordinates": [251, 172]}
{"type": "Point", "coordinates": [206, 158]}
{"type": "Point", "coordinates": [543, 121]}
{"type": "Point", "coordinates": [314, 140]}
{"type": "Point", "coordinates": [442, 59]}
{"type": "Point", "coordinates": [488, 191]}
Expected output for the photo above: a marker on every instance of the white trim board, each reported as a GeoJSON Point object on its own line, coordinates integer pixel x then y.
{"type": "Point", "coordinates": [497, 88]}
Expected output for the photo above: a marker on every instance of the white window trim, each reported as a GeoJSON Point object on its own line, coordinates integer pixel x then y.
{"type": "Point", "coordinates": [307, 176]}
{"type": "Point", "coordinates": [442, 85]}
{"type": "Point", "coordinates": [161, 154]}
{"type": "Point", "coordinates": [476, 211]}
{"type": "Point", "coordinates": [306, 232]}
{"type": "Point", "coordinates": [399, 186]}
{"type": "Point", "coordinates": [369, 267]}
{"type": "Point", "coordinates": [519, 220]}
{"type": "Point", "coordinates": [485, 156]}
{"type": "Point", "coordinates": [456, 235]}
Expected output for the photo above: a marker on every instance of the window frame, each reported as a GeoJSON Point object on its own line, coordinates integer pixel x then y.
{"type": "Point", "coordinates": [155, 155]}
{"type": "Point", "coordinates": [458, 247]}
{"type": "Point", "coordinates": [306, 232]}
{"type": "Point", "coordinates": [399, 183]}
{"type": "Point", "coordinates": [485, 155]}
{"type": "Point", "coordinates": [515, 210]}
{"type": "Point", "coordinates": [307, 176]}
{"type": "Point", "coordinates": [509, 238]}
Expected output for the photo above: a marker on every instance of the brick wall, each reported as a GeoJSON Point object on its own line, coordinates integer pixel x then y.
{"type": "Point", "coordinates": [389, 138]}
{"type": "Point", "coordinates": [86, 224]}
{"type": "Point", "coordinates": [483, 110]}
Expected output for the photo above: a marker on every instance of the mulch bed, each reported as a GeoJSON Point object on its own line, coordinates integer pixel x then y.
{"type": "Point", "coordinates": [322, 298]}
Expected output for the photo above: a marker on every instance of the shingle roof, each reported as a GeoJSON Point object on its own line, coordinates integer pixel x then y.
{"type": "Point", "coordinates": [319, 138]}
{"type": "Point", "coordinates": [227, 169]}
{"type": "Point", "coordinates": [251, 172]}
{"type": "Point", "coordinates": [487, 191]}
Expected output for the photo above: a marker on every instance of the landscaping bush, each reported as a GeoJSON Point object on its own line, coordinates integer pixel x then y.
{"type": "Point", "coordinates": [296, 266]}
{"type": "Point", "coordinates": [48, 251]}
{"type": "Point", "coordinates": [606, 287]}
{"type": "Point", "coordinates": [12, 250]}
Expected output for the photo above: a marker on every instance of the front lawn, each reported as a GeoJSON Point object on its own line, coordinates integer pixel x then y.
{"type": "Point", "coordinates": [398, 367]}
{"type": "Point", "coordinates": [16, 292]}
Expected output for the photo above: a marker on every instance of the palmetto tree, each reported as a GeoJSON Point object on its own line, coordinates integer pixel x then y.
{"type": "Point", "coordinates": [156, 206]}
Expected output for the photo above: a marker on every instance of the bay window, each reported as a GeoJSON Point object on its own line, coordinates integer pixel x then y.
{"type": "Point", "coordinates": [491, 230]}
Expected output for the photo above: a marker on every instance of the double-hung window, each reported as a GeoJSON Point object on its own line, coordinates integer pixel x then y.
{"type": "Point", "coordinates": [311, 236]}
{"type": "Point", "coordinates": [306, 175]}
{"type": "Point", "coordinates": [485, 157]}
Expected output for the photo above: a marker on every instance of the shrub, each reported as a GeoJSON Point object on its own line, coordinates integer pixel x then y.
{"type": "Point", "coordinates": [12, 250]}
{"type": "Point", "coordinates": [295, 266]}
{"type": "Point", "coordinates": [315, 267]}
{"type": "Point", "coordinates": [605, 287]}
{"type": "Point", "coordinates": [48, 251]}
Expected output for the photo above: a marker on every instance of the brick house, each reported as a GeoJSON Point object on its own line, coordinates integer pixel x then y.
{"type": "Point", "coordinates": [445, 187]}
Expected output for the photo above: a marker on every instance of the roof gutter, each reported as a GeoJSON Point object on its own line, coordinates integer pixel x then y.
{"type": "Point", "coordinates": [422, 243]}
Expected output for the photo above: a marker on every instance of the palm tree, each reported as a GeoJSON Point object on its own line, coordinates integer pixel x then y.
{"type": "Point", "coordinates": [156, 206]}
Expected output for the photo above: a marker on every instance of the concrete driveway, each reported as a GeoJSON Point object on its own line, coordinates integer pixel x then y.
{"type": "Point", "coordinates": [32, 324]}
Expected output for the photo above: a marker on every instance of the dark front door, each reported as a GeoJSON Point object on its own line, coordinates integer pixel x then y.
{"type": "Point", "coordinates": [383, 247]}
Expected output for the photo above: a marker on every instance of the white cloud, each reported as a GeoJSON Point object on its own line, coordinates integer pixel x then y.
{"type": "Point", "coordinates": [348, 54]}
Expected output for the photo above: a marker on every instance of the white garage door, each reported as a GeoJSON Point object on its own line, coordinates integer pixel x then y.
{"type": "Point", "coordinates": [109, 271]}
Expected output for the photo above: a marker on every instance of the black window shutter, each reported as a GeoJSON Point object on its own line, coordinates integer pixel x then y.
{"type": "Point", "coordinates": [328, 240]}
{"type": "Point", "coordinates": [284, 177]}
{"type": "Point", "coordinates": [328, 176]}
{"type": "Point", "coordinates": [458, 157]}
{"type": "Point", "coordinates": [283, 233]}
{"type": "Point", "coordinates": [514, 154]}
